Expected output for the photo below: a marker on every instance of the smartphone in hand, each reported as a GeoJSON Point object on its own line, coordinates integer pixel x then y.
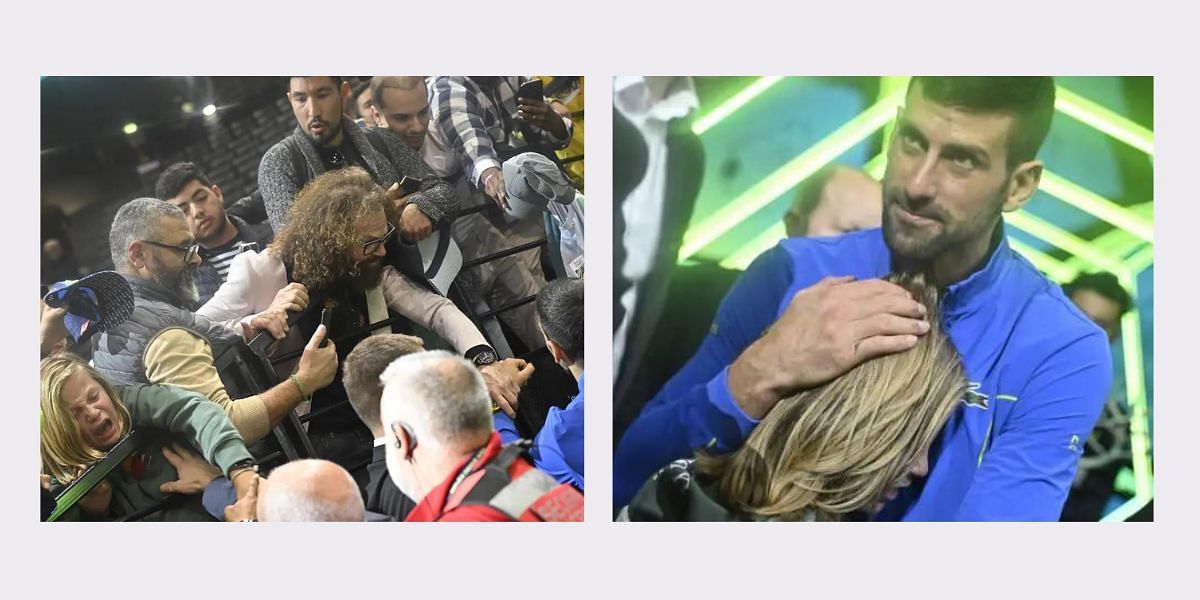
{"type": "Point", "coordinates": [326, 315]}
{"type": "Point", "coordinates": [409, 185]}
{"type": "Point", "coordinates": [532, 90]}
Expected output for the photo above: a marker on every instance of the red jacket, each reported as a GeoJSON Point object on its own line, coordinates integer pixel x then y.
{"type": "Point", "coordinates": [537, 496]}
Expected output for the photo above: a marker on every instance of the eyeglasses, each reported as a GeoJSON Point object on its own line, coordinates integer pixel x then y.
{"type": "Point", "coordinates": [189, 251]}
{"type": "Point", "coordinates": [370, 246]}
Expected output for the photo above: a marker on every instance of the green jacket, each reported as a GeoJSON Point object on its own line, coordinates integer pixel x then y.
{"type": "Point", "coordinates": [167, 414]}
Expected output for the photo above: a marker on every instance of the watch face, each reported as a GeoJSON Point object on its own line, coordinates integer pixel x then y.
{"type": "Point", "coordinates": [485, 358]}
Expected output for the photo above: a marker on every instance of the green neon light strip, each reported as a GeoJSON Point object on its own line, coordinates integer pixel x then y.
{"type": "Point", "coordinates": [1127, 510]}
{"type": "Point", "coordinates": [1135, 389]}
{"type": "Point", "coordinates": [1063, 239]}
{"type": "Point", "coordinates": [876, 166]}
{"type": "Point", "coordinates": [1139, 422]}
{"type": "Point", "coordinates": [889, 85]}
{"type": "Point", "coordinates": [1103, 119]}
{"type": "Point", "coordinates": [1114, 242]}
{"type": "Point", "coordinates": [730, 106]}
{"type": "Point", "coordinates": [1045, 263]}
{"type": "Point", "coordinates": [788, 176]}
{"type": "Point", "coordinates": [1117, 242]}
{"type": "Point", "coordinates": [1141, 261]}
{"type": "Point", "coordinates": [1097, 206]}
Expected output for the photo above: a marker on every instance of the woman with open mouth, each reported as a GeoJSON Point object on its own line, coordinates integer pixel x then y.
{"type": "Point", "coordinates": [83, 417]}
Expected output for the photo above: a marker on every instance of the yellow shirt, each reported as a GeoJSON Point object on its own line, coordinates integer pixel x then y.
{"type": "Point", "coordinates": [180, 357]}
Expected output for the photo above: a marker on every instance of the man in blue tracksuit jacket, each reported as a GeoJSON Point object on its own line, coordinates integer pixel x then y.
{"type": "Point", "coordinates": [963, 151]}
{"type": "Point", "coordinates": [558, 447]}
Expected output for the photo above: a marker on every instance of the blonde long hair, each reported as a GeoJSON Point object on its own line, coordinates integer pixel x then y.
{"type": "Point", "coordinates": [839, 447]}
{"type": "Point", "coordinates": [64, 453]}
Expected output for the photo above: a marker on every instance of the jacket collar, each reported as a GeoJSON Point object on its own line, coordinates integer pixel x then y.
{"type": "Point", "coordinates": [970, 293]}
{"type": "Point", "coordinates": [237, 222]}
{"type": "Point", "coordinates": [432, 507]}
{"type": "Point", "coordinates": [358, 138]}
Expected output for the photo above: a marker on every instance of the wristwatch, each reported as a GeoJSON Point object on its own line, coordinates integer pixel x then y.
{"type": "Point", "coordinates": [242, 465]}
{"type": "Point", "coordinates": [482, 355]}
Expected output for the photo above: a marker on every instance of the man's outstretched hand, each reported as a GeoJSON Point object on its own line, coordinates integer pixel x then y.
{"type": "Point", "coordinates": [504, 382]}
{"type": "Point", "coordinates": [826, 330]}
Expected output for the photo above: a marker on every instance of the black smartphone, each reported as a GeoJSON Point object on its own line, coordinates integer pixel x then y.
{"type": "Point", "coordinates": [326, 314]}
{"type": "Point", "coordinates": [409, 185]}
{"type": "Point", "coordinates": [531, 90]}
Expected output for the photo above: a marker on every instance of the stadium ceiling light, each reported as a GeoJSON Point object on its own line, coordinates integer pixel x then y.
{"type": "Point", "coordinates": [787, 176]}
{"type": "Point", "coordinates": [210, 110]}
{"type": "Point", "coordinates": [187, 108]}
{"type": "Point", "coordinates": [130, 128]}
{"type": "Point", "coordinates": [1097, 206]}
{"type": "Point", "coordinates": [1103, 119]}
{"type": "Point", "coordinates": [730, 106]}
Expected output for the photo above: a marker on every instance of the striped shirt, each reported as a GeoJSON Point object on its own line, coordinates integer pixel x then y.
{"type": "Point", "coordinates": [477, 117]}
{"type": "Point", "coordinates": [215, 266]}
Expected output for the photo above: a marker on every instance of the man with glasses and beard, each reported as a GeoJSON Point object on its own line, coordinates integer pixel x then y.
{"type": "Point", "coordinates": [163, 341]}
{"type": "Point", "coordinates": [325, 140]}
{"type": "Point", "coordinates": [334, 245]}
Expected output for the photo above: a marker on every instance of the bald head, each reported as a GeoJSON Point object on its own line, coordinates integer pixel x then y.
{"type": "Point", "coordinates": [309, 490]}
{"type": "Point", "coordinates": [835, 200]}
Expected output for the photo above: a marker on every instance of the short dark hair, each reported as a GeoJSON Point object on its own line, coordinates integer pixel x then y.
{"type": "Point", "coordinates": [363, 366]}
{"type": "Point", "coordinates": [1103, 283]}
{"type": "Point", "coordinates": [175, 177]}
{"type": "Point", "coordinates": [560, 311]}
{"type": "Point", "coordinates": [356, 91]}
{"type": "Point", "coordinates": [1029, 99]}
{"type": "Point", "coordinates": [287, 81]}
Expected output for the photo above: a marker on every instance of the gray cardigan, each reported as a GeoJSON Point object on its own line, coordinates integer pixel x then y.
{"type": "Point", "coordinates": [279, 181]}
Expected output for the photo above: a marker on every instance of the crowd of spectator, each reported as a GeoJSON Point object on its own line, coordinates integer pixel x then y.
{"type": "Point", "coordinates": [397, 338]}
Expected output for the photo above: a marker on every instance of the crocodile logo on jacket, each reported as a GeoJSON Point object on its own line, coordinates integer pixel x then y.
{"type": "Point", "coordinates": [973, 397]}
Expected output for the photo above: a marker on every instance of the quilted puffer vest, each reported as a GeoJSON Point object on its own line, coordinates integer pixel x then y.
{"type": "Point", "coordinates": [118, 354]}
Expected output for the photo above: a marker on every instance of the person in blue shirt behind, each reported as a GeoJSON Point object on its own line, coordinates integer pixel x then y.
{"type": "Point", "coordinates": [962, 152]}
{"type": "Point", "coordinates": [558, 447]}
